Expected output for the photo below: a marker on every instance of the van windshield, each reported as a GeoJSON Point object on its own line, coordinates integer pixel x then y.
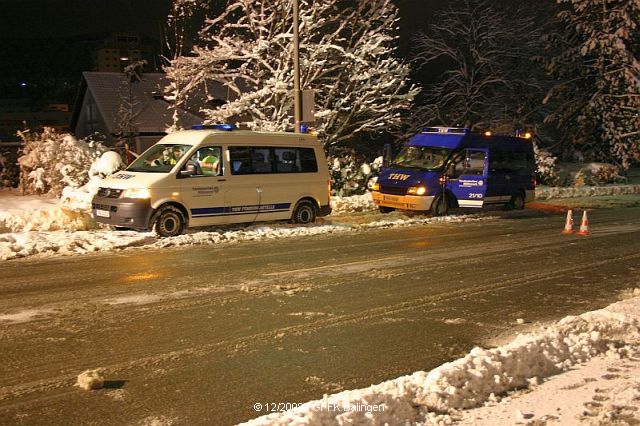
{"type": "Point", "coordinates": [421, 158]}
{"type": "Point", "coordinates": [158, 159]}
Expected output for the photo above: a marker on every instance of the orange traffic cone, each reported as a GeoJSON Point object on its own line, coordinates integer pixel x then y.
{"type": "Point", "coordinates": [568, 226]}
{"type": "Point", "coordinates": [584, 225]}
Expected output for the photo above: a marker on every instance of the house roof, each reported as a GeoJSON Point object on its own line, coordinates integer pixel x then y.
{"type": "Point", "coordinates": [152, 114]}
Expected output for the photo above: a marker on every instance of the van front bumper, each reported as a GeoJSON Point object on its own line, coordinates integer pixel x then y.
{"type": "Point", "coordinates": [126, 212]}
{"type": "Point", "coordinates": [403, 202]}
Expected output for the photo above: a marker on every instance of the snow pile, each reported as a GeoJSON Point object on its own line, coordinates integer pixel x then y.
{"type": "Point", "coordinates": [354, 203]}
{"type": "Point", "coordinates": [90, 379]}
{"type": "Point", "coordinates": [545, 192]}
{"type": "Point", "coordinates": [436, 396]}
{"type": "Point", "coordinates": [51, 219]}
{"type": "Point", "coordinates": [25, 244]}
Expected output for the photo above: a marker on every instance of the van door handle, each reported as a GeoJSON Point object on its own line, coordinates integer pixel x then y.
{"type": "Point", "coordinates": [222, 180]}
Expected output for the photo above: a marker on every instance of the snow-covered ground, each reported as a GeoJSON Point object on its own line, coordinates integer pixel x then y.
{"type": "Point", "coordinates": [582, 370]}
{"type": "Point", "coordinates": [43, 227]}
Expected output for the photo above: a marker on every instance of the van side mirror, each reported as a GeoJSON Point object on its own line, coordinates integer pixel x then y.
{"type": "Point", "coordinates": [189, 170]}
{"type": "Point", "coordinates": [387, 155]}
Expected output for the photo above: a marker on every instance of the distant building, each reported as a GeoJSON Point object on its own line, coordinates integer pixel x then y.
{"type": "Point", "coordinates": [121, 49]}
{"type": "Point", "coordinates": [134, 113]}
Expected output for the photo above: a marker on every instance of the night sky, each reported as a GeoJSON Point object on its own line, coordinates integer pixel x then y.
{"type": "Point", "coordinates": [45, 39]}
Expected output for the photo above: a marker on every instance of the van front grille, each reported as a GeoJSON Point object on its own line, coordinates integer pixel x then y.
{"type": "Point", "coordinates": [393, 190]}
{"type": "Point", "coordinates": [109, 193]}
{"type": "Point", "coordinates": [106, 207]}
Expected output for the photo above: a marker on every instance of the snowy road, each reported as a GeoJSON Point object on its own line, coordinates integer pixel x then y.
{"type": "Point", "coordinates": [199, 335]}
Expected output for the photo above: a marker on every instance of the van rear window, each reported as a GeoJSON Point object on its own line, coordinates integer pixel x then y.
{"type": "Point", "coordinates": [265, 160]}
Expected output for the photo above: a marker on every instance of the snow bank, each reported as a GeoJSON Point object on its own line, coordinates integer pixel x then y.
{"type": "Point", "coordinates": [24, 244]}
{"type": "Point", "coordinates": [548, 192]}
{"type": "Point", "coordinates": [432, 397]}
{"type": "Point", "coordinates": [352, 204]}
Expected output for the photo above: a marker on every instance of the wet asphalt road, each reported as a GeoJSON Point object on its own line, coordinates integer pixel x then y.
{"type": "Point", "coordinates": [199, 335]}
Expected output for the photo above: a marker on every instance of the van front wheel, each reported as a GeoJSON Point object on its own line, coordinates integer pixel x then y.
{"type": "Point", "coordinates": [168, 221]}
{"type": "Point", "coordinates": [439, 206]}
{"type": "Point", "coordinates": [304, 212]}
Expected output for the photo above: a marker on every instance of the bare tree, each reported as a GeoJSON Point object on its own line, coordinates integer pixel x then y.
{"type": "Point", "coordinates": [488, 74]}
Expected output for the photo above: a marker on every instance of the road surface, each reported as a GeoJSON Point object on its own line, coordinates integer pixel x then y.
{"type": "Point", "coordinates": [199, 335]}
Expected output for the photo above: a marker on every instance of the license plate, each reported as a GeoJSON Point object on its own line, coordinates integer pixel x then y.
{"type": "Point", "coordinates": [389, 198]}
{"type": "Point", "coordinates": [103, 213]}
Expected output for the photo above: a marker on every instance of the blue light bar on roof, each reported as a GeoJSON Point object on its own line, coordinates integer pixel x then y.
{"type": "Point", "coordinates": [445, 130]}
{"type": "Point", "coordinates": [225, 127]}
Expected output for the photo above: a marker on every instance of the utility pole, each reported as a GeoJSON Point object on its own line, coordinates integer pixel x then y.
{"type": "Point", "coordinates": [297, 104]}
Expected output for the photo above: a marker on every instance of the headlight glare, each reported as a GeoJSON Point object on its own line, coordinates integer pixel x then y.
{"type": "Point", "coordinates": [417, 190]}
{"type": "Point", "coordinates": [136, 193]}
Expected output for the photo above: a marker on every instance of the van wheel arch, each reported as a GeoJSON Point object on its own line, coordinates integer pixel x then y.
{"type": "Point", "coordinates": [305, 211]}
{"type": "Point", "coordinates": [169, 220]}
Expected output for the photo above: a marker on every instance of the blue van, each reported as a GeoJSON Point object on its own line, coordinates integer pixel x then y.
{"type": "Point", "coordinates": [445, 167]}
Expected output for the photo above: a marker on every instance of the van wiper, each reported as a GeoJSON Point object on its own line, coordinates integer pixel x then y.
{"type": "Point", "coordinates": [403, 166]}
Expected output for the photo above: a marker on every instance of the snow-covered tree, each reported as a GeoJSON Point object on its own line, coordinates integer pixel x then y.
{"type": "Point", "coordinates": [129, 105]}
{"type": "Point", "coordinates": [51, 160]}
{"type": "Point", "coordinates": [490, 78]}
{"type": "Point", "coordinates": [346, 56]}
{"type": "Point", "coordinates": [596, 61]}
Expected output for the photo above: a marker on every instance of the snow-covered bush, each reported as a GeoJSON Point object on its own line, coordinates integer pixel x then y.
{"type": "Point", "coordinates": [79, 198]}
{"type": "Point", "coordinates": [8, 170]}
{"type": "Point", "coordinates": [51, 160]}
{"type": "Point", "coordinates": [546, 172]}
{"type": "Point", "coordinates": [350, 172]}
{"type": "Point", "coordinates": [604, 174]}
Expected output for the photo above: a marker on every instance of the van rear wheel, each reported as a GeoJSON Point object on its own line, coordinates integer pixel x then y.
{"type": "Point", "coordinates": [304, 212]}
{"type": "Point", "coordinates": [439, 206]}
{"type": "Point", "coordinates": [384, 209]}
{"type": "Point", "coordinates": [168, 221]}
{"type": "Point", "coordinates": [517, 202]}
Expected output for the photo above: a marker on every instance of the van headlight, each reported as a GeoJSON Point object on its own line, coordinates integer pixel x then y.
{"type": "Point", "coordinates": [136, 193]}
{"type": "Point", "coordinates": [375, 186]}
{"type": "Point", "coordinates": [417, 190]}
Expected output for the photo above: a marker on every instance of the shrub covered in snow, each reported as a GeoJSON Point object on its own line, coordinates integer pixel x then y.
{"type": "Point", "coordinates": [51, 160]}
{"type": "Point", "coordinates": [545, 166]}
{"type": "Point", "coordinates": [350, 172]}
{"type": "Point", "coordinates": [79, 198]}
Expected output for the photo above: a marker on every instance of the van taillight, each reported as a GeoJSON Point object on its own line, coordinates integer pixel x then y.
{"type": "Point", "coordinates": [533, 180]}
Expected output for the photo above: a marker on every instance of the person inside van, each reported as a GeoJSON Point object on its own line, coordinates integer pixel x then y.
{"type": "Point", "coordinates": [210, 163]}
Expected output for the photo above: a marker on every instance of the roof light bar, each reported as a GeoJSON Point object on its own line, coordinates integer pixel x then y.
{"type": "Point", "coordinates": [225, 127]}
{"type": "Point", "coordinates": [458, 130]}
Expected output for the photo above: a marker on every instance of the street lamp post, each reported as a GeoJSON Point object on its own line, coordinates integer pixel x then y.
{"type": "Point", "coordinates": [297, 104]}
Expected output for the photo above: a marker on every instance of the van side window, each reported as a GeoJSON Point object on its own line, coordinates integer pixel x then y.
{"type": "Point", "coordinates": [264, 160]}
{"type": "Point", "coordinates": [287, 160]}
{"type": "Point", "coordinates": [208, 161]}
{"type": "Point", "coordinates": [240, 157]}
{"type": "Point", "coordinates": [469, 163]}
{"type": "Point", "coordinates": [308, 163]}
